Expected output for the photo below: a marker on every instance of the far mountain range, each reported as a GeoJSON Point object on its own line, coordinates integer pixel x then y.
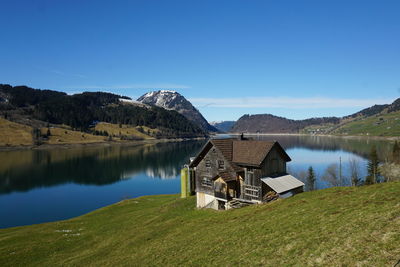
{"type": "Point", "coordinates": [174, 116]}
{"type": "Point", "coordinates": [376, 120]}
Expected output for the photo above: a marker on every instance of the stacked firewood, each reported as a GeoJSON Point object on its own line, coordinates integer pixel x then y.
{"type": "Point", "coordinates": [270, 196]}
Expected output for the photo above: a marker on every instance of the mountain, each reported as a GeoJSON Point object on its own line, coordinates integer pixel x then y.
{"type": "Point", "coordinates": [267, 123]}
{"type": "Point", "coordinates": [377, 120]}
{"type": "Point", "coordinates": [395, 106]}
{"type": "Point", "coordinates": [172, 100]}
{"type": "Point", "coordinates": [223, 126]}
{"type": "Point", "coordinates": [375, 109]}
{"type": "Point", "coordinates": [82, 111]}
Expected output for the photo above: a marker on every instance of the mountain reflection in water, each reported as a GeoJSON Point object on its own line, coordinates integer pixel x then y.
{"type": "Point", "coordinates": [25, 170]}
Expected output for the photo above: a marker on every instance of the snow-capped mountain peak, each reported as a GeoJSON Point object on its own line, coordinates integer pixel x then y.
{"type": "Point", "coordinates": [172, 100]}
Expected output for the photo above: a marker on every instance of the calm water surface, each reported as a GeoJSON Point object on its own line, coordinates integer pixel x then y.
{"type": "Point", "coordinates": [46, 185]}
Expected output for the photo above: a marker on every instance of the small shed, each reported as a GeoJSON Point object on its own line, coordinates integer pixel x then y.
{"type": "Point", "coordinates": [284, 186]}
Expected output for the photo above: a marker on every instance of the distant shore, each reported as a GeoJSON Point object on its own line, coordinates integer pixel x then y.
{"type": "Point", "coordinates": [321, 135]}
{"type": "Point", "coordinates": [95, 144]}
{"type": "Point", "coordinates": [154, 141]}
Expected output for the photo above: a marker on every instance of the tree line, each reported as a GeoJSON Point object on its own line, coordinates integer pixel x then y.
{"type": "Point", "coordinates": [377, 171]}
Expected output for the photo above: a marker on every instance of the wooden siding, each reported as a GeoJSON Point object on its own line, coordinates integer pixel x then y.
{"type": "Point", "coordinates": [212, 180]}
{"type": "Point", "coordinates": [274, 164]}
{"type": "Point", "coordinates": [202, 171]}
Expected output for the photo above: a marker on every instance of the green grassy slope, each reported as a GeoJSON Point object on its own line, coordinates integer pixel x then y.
{"type": "Point", "coordinates": [337, 226]}
{"type": "Point", "coordinates": [378, 125]}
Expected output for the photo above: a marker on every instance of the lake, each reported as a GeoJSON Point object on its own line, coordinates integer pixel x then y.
{"type": "Point", "coordinates": [47, 185]}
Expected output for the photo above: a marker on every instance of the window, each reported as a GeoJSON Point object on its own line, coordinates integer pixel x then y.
{"type": "Point", "coordinates": [221, 164]}
{"type": "Point", "coordinates": [206, 181]}
{"type": "Point", "coordinates": [250, 176]}
{"type": "Point", "coordinates": [208, 163]}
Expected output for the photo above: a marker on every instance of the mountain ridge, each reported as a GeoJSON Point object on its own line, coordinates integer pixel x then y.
{"type": "Point", "coordinates": [268, 123]}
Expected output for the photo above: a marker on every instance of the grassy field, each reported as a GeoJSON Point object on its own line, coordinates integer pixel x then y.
{"type": "Point", "coordinates": [65, 136]}
{"type": "Point", "coordinates": [12, 133]}
{"type": "Point", "coordinates": [379, 125]}
{"type": "Point", "coordinates": [127, 130]}
{"type": "Point", "coordinates": [335, 227]}
{"type": "Point", "coordinates": [16, 134]}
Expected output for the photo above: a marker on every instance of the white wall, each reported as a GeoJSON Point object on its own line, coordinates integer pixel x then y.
{"type": "Point", "coordinates": [204, 199]}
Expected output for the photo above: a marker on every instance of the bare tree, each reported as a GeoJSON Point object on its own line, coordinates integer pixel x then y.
{"type": "Point", "coordinates": [354, 167]}
{"type": "Point", "coordinates": [301, 175]}
{"type": "Point", "coordinates": [332, 176]}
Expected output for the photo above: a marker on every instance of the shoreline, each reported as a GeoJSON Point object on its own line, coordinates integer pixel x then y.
{"type": "Point", "coordinates": [154, 141]}
{"type": "Point", "coordinates": [95, 144]}
{"type": "Point", "coordinates": [390, 138]}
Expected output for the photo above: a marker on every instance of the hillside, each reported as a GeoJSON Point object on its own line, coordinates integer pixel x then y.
{"type": "Point", "coordinates": [14, 133]}
{"type": "Point", "coordinates": [377, 120]}
{"type": "Point", "coordinates": [37, 108]}
{"type": "Point", "coordinates": [381, 124]}
{"type": "Point", "coordinates": [267, 123]}
{"type": "Point", "coordinates": [336, 227]}
{"type": "Point", "coordinates": [172, 100]}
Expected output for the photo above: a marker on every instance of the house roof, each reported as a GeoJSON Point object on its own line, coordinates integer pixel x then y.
{"type": "Point", "coordinates": [241, 152]}
{"type": "Point", "coordinates": [282, 183]}
{"type": "Point", "coordinates": [226, 148]}
{"type": "Point", "coordinates": [253, 152]}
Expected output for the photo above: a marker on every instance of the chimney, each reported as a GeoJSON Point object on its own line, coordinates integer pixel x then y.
{"type": "Point", "coordinates": [242, 137]}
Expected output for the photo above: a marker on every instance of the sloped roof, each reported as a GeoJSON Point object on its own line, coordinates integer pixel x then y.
{"type": "Point", "coordinates": [225, 146]}
{"type": "Point", "coordinates": [251, 152]}
{"type": "Point", "coordinates": [282, 183]}
{"type": "Point", "coordinates": [241, 152]}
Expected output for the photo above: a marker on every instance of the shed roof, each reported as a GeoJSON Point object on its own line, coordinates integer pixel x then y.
{"type": "Point", "coordinates": [282, 183]}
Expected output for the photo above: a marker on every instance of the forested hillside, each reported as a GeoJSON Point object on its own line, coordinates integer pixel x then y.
{"type": "Point", "coordinates": [267, 123]}
{"type": "Point", "coordinates": [82, 111]}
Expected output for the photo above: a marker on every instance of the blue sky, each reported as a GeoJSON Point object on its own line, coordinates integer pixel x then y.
{"type": "Point", "coordinates": [296, 59]}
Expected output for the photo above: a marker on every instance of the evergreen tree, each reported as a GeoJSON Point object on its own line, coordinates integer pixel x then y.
{"type": "Point", "coordinates": [311, 179]}
{"type": "Point", "coordinates": [372, 167]}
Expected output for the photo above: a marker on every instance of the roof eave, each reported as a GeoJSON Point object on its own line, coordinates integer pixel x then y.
{"type": "Point", "coordinates": [198, 157]}
{"type": "Point", "coordinates": [247, 164]}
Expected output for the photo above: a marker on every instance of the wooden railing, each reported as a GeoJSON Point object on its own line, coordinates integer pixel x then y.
{"type": "Point", "coordinates": [251, 192]}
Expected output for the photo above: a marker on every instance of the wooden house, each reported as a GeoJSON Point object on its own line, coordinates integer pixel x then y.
{"type": "Point", "coordinates": [230, 172]}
